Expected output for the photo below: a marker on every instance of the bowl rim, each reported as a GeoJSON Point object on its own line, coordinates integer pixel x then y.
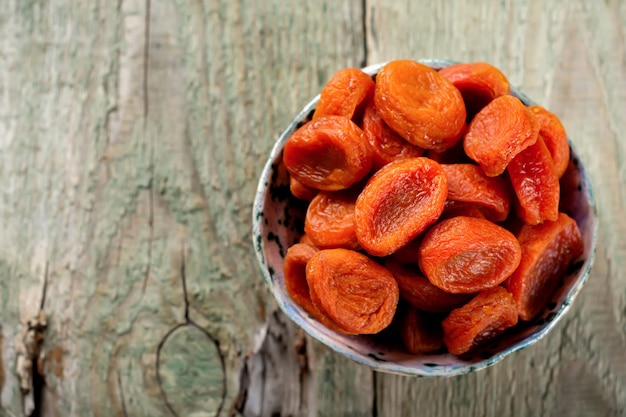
{"type": "Point", "coordinates": [390, 367]}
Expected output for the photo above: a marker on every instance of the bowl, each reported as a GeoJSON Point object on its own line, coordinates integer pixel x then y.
{"type": "Point", "coordinates": [278, 220]}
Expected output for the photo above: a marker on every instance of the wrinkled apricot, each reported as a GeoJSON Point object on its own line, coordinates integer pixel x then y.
{"type": "Point", "coordinates": [468, 183]}
{"type": "Point", "coordinates": [555, 138]}
{"type": "Point", "coordinates": [294, 269]}
{"type": "Point", "coordinates": [300, 190]}
{"type": "Point", "coordinates": [420, 104]}
{"type": "Point", "coordinates": [398, 203]}
{"type": "Point", "coordinates": [358, 294]}
{"type": "Point", "coordinates": [329, 221]}
{"type": "Point", "coordinates": [485, 317]}
{"type": "Point", "coordinates": [407, 254]}
{"type": "Point", "coordinates": [420, 332]}
{"type": "Point", "coordinates": [330, 153]}
{"type": "Point", "coordinates": [386, 144]}
{"type": "Point", "coordinates": [548, 249]}
{"type": "Point", "coordinates": [535, 183]}
{"type": "Point", "coordinates": [306, 240]}
{"type": "Point", "coordinates": [420, 293]}
{"type": "Point", "coordinates": [478, 82]}
{"type": "Point", "coordinates": [458, 208]}
{"type": "Point", "coordinates": [468, 255]}
{"type": "Point", "coordinates": [498, 132]}
{"type": "Point", "coordinates": [345, 94]}
{"type": "Point", "coordinates": [454, 155]}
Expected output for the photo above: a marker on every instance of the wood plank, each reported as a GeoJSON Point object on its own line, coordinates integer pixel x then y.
{"type": "Point", "coordinates": [568, 56]}
{"type": "Point", "coordinates": [132, 133]}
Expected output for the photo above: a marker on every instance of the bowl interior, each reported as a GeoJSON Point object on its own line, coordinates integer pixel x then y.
{"type": "Point", "coordinates": [278, 220]}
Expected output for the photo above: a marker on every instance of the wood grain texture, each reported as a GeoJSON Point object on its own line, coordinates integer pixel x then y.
{"type": "Point", "coordinates": [568, 56]}
{"type": "Point", "coordinates": [132, 133]}
{"type": "Point", "coordinates": [131, 136]}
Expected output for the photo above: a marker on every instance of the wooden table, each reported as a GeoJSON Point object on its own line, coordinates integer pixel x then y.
{"type": "Point", "coordinates": [132, 133]}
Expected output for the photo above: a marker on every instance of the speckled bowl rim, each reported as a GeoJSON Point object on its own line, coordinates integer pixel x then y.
{"type": "Point", "coordinates": [287, 306]}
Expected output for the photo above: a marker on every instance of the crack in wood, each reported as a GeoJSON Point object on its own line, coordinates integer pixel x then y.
{"type": "Point", "coordinates": [120, 391]}
{"type": "Point", "coordinates": [188, 322]}
{"type": "Point", "coordinates": [44, 289]}
{"type": "Point", "coordinates": [374, 394]}
{"type": "Point", "coordinates": [146, 56]}
{"type": "Point", "coordinates": [2, 374]}
{"type": "Point", "coordinates": [183, 279]}
{"type": "Point", "coordinates": [364, 29]}
{"type": "Point", "coordinates": [277, 373]}
{"type": "Point", "coordinates": [146, 65]}
{"type": "Point", "coordinates": [30, 355]}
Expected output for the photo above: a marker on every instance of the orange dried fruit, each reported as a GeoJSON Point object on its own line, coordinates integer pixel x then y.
{"type": "Point", "coordinates": [345, 94]}
{"type": "Point", "coordinates": [468, 183]}
{"type": "Point", "coordinates": [329, 221]}
{"type": "Point", "coordinates": [500, 131]}
{"type": "Point", "coordinates": [454, 155]}
{"type": "Point", "coordinates": [468, 255]}
{"type": "Point", "coordinates": [294, 269]}
{"type": "Point", "coordinates": [535, 184]}
{"type": "Point", "coordinates": [555, 138]}
{"type": "Point", "coordinates": [358, 294]}
{"type": "Point", "coordinates": [485, 317]}
{"type": "Point", "coordinates": [420, 293]}
{"type": "Point", "coordinates": [398, 203]}
{"type": "Point", "coordinates": [329, 153]}
{"type": "Point", "coordinates": [548, 249]}
{"type": "Point", "coordinates": [306, 240]}
{"type": "Point", "coordinates": [420, 104]}
{"type": "Point", "coordinates": [386, 144]}
{"type": "Point", "coordinates": [478, 82]}
{"type": "Point", "coordinates": [407, 254]}
{"type": "Point", "coordinates": [457, 208]}
{"type": "Point", "coordinates": [301, 191]}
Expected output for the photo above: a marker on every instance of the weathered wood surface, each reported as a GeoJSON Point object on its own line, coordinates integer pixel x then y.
{"type": "Point", "coordinates": [131, 136]}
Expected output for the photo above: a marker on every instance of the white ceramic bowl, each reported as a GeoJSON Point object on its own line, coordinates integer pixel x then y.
{"type": "Point", "coordinates": [277, 224]}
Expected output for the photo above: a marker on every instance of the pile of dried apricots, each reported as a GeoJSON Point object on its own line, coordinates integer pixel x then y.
{"type": "Point", "coordinates": [438, 188]}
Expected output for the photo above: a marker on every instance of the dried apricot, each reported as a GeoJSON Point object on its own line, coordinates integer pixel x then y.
{"type": "Point", "coordinates": [306, 240]}
{"type": "Point", "coordinates": [294, 269]}
{"type": "Point", "coordinates": [329, 221]}
{"type": "Point", "coordinates": [454, 155]}
{"type": "Point", "coordinates": [386, 144]}
{"type": "Point", "coordinates": [548, 249]}
{"type": "Point", "coordinates": [330, 153]}
{"type": "Point", "coordinates": [478, 82]}
{"type": "Point", "coordinates": [454, 208]}
{"type": "Point", "coordinates": [300, 190]}
{"type": "Point", "coordinates": [535, 183]}
{"type": "Point", "coordinates": [420, 332]}
{"type": "Point", "coordinates": [485, 317]}
{"type": "Point", "coordinates": [420, 293]}
{"type": "Point", "coordinates": [501, 130]}
{"type": "Point", "coordinates": [468, 183]}
{"type": "Point", "coordinates": [420, 104]}
{"type": "Point", "coordinates": [345, 94]}
{"type": "Point", "coordinates": [467, 255]}
{"type": "Point", "coordinates": [407, 254]}
{"type": "Point", "coordinates": [554, 136]}
{"type": "Point", "coordinates": [358, 294]}
{"type": "Point", "coordinates": [399, 202]}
